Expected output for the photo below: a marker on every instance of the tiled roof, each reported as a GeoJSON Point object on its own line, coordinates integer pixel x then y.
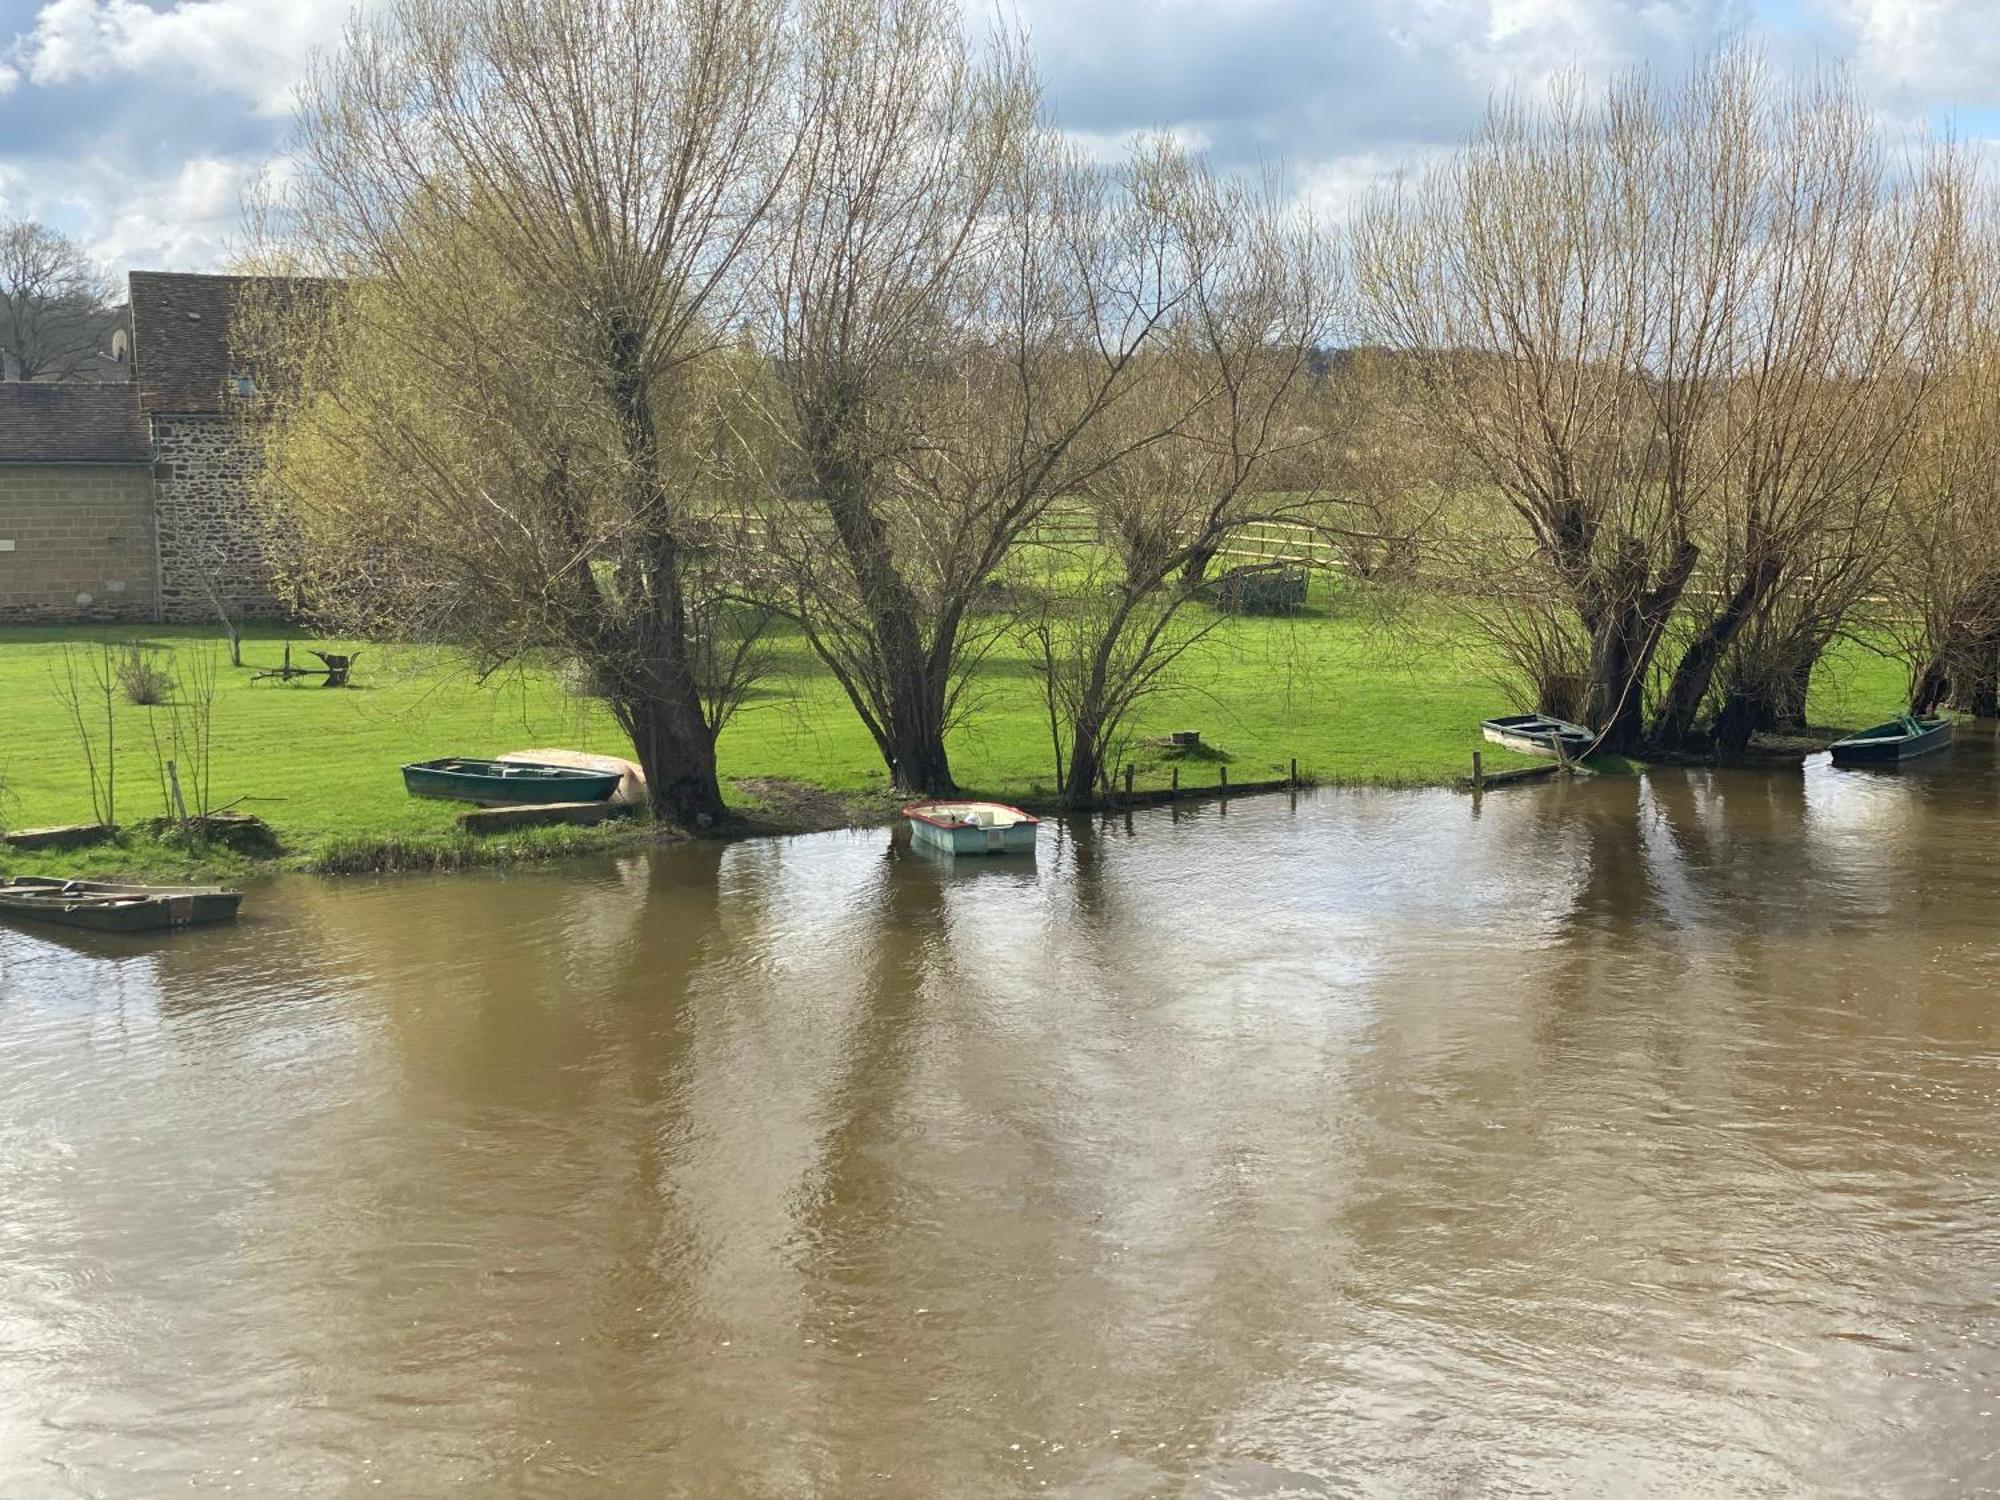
{"type": "Point", "coordinates": [71, 424]}
{"type": "Point", "coordinates": [180, 339]}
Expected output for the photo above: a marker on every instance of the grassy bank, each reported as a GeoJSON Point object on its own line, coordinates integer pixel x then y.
{"type": "Point", "coordinates": [1326, 688]}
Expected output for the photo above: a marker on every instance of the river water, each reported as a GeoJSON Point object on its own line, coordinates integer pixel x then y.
{"type": "Point", "coordinates": [1630, 1137]}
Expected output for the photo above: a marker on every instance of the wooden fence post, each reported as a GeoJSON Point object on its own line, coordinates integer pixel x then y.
{"type": "Point", "coordinates": [1128, 781]}
{"type": "Point", "coordinates": [1478, 776]}
{"type": "Point", "coordinates": [1177, 781]}
{"type": "Point", "coordinates": [1225, 780]}
{"type": "Point", "coordinates": [1295, 770]}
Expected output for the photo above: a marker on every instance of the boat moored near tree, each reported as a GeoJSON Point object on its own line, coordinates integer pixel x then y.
{"type": "Point", "coordinates": [506, 783]}
{"type": "Point", "coordinates": [972, 827]}
{"type": "Point", "coordinates": [1538, 734]}
{"type": "Point", "coordinates": [1904, 738]}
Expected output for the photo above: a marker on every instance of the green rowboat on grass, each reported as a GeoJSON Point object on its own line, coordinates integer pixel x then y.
{"type": "Point", "coordinates": [506, 783]}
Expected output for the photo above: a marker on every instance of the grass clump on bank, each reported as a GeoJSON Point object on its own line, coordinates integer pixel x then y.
{"type": "Point", "coordinates": [398, 855]}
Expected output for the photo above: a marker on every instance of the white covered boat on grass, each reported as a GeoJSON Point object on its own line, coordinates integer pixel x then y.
{"type": "Point", "coordinates": [972, 827]}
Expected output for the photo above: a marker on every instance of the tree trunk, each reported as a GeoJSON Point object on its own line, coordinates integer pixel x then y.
{"type": "Point", "coordinates": [1694, 673]}
{"type": "Point", "coordinates": [1932, 686]}
{"type": "Point", "coordinates": [659, 699]}
{"type": "Point", "coordinates": [1085, 769]}
{"type": "Point", "coordinates": [1611, 702]}
{"type": "Point", "coordinates": [916, 755]}
{"type": "Point", "coordinates": [912, 717]}
{"type": "Point", "coordinates": [1740, 716]}
{"type": "Point", "coordinates": [677, 753]}
{"type": "Point", "coordinates": [1964, 673]}
{"type": "Point", "coordinates": [1195, 569]}
{"type": "Point", "coordinates": [1981, 694]}
{"type": "Point", "coordinates": [1625, 619]}
{"type": "Point", "coordinates": [1097, 709]}
{"type": "Point", "coordinates": [1785, 706]}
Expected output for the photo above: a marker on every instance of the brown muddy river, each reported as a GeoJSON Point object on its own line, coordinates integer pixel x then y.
{"type": "Point", "coordinates": [1636, 1137]}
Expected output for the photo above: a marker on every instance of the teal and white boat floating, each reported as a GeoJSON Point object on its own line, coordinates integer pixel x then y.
{"type": "Point", "coordinates": [972, 827]}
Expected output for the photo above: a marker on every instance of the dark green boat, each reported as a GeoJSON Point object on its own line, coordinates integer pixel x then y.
{"type": "Point", "coordinates": [1898, 740]}
{"type": "Point", "coordinates": [105, 906]}
{"type": "Point", "coordinates": [506, 783]}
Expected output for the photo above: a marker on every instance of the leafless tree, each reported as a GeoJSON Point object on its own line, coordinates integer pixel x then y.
{"type": "Point", "coordinates": [52, 303]}
{"type": "Point", "coordinates": [85, 682]}
{"type": "Point", "coordinates": [1681, 336]}
{"type": "Point", "coordinates": [1942, 580]}
{"type": "Point", "coordinates": [954, 303]}
{"type": "Point", "coordinates": [1834, 361]}
{"type": "Point", "coordinates": [1213, 436]}
{"type": "Point", "coordinates": [183, 757]}
{"type": "Point", "coordinates": [499, 421]}
{"type": "Point", "coordinates": [1385, 475]}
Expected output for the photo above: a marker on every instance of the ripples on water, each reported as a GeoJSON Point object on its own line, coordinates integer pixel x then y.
{"type": "Point", "coordinates": [1631, 1137]}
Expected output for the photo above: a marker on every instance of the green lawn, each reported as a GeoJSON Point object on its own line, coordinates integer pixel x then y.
{"type": "Point", "coordinates": [321, 766]}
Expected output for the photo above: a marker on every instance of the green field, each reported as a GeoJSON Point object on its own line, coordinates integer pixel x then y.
{"type": "Point", "coordinates": [1353, 703]}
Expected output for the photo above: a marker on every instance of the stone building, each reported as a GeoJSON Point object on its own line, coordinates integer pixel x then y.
{"type": "Point", "coordinates": [76, 505]}
{"type": "Point", "coordinates": [134, 501]}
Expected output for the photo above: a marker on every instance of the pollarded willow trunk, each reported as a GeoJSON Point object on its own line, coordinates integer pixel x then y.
{"type": "Point", "coordinates": [1694, 673]}
{"type": "Point", "coordinates": [1195, 570]}
{"type": "Point", "coordinates": [658, 691]}
{"type": "Point", "coordinates": [915, 750]}
{"type": "Point", "coordinates": [1785, 704]}
{"type": "Point", "coordinates": [1980, 694]}
{"type": "Point", "coordinates": [910, 719]}
{"type": "Point", "coordinates": [1965, 671]}
{"type": "Point", "coordinates": [1933, 686]}
{"type": "Point", "coordinates": [1611, 702]}
{"type": "Point", "coordinates": [1965, 674]}
{"type": "Point", "coordinates": [677, 753]}
{"type": "Point", "coordinates": [1624, 610]}
{"type": "Point", "coordinates": [1085, 771]}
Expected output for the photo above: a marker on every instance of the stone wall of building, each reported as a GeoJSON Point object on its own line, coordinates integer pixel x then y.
{"type": "Point", "coordinates": [76, 542]}
{"type": "Point", "coordinates": [211, 535]}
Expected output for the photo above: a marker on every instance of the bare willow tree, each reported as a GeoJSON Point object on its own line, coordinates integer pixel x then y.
{"type": "Point", "coordinates": [1675, 332]}
{"type": "Point", "coordinates": [1386, 475]}
{"type": "Point", "coordinates": [502, 422]}
{"type": "Point", "coordinates": [52, 303]}
{"type": "Point", "coordinates": [954, 302]}
{"type": "Point", "coordinates": [1833, 360]}
{"type": "Point", "coordinates": [1942, 581]}
{"type": "Point", "coordinates": [1213, 436]}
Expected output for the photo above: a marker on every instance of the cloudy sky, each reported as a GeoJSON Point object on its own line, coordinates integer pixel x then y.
{"type": "Point", "coordinates": [134, 124]}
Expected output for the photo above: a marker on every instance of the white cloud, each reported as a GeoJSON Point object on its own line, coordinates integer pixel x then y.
{"type": "Point", "coordinates": [256, 49]}
{"type": "Point", "coordinates": [1924, 54]}
{"type": "Point", "coordinates": [189, 218]}
{"type": "Point", "coordinates": [1336, 187]}
{"type": "Point", "coordinates": [1338, 93]}
{"type": "Point", "coordinates": [1107, 147]}
{"type": "Point", "coordinates": [136, 124]}
{"type": "Point", "coordinates": [1501, 44]}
